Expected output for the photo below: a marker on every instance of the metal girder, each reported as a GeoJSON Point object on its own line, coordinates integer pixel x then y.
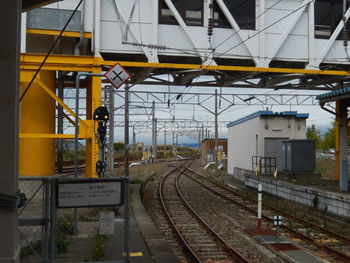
{"type": "Point", "coordinates": [146, 97]}
{"type": "Point", "coordinates": [139, 71]}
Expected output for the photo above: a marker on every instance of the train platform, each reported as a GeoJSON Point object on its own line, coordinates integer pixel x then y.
{"type": "Point", "coordinates": [146, 244]}
{"type": "Point", "coordinates": [325, 196]}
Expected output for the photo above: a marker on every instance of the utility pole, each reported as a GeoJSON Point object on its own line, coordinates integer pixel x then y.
{"type": "Point", "coordinates": [10, 23]}
{"type": "Point", "coordinates": [216, 129]}
{"type": "Point", "coordinates": [133, 136]}
{"type": "Point", "coordinates": [202, 131]}
{"type": "Point", "coordinates": [155, 138]}
{"type": "Point", "coordinates": [153, 128]}
{"type": "Point", "coordinates": [164, 138]}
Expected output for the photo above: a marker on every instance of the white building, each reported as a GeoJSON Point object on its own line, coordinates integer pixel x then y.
{"type": "Point", "coordinates": [261, 134]}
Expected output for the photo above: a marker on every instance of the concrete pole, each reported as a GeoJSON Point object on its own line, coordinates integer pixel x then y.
{"type": "Point", "coordinates": [206, 133]}
{"type": "Point", "coordinates": [153, 128]}
{"type": "Point", "coordinates": [155, 139]}
{"type": "Point", "coordinates": [10, 22]}
{"type": "Point", "coordinates": [202, 131]}
{"type": "Point", "coordinates": [60, 123]}
{"type": "Point", "coordinates": [177, 139]}
{"type": "Point", "coordinates": [164, 138]}
{"type": "Point", "coordinates": [216, 129]}
{"type": "Point", "coordinates": [133, 136]}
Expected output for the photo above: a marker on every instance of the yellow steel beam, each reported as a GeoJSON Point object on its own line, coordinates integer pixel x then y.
{"type": "Point", "coordinates": [228, 68]}
{"type": "Point", "coordinates": [35, 31]}
{"type": "Point", "coordinates": [86, 63]}
{"type": "Point", "coordinates": [47, 136]}
{"type": "Point", "coordinates": [60, 62]}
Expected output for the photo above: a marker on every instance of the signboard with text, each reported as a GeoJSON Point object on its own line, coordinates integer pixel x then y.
{"type": "Point", "coordinates": [89, 193]}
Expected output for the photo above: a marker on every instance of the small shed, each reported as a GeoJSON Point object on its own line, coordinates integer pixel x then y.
{"type": "Point", "coordinates": [207, 149]}
{"type": "Point", "coordinates": [259, 136]}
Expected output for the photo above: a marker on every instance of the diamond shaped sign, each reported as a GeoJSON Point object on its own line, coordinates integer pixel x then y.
{"type": "Point", "coordinates": [117, 75]}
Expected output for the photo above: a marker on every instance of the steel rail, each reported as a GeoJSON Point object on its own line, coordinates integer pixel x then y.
{"type": "Point", "coordinates": [337, 253]}
{"type": "Point", "coordinates": [187, 247]}
{"type": "Point", "coordinates": [286, 214]}
{"type": "Point", "coordinates": [210, 230]}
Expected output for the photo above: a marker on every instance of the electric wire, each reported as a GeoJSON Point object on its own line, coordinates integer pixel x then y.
{"type": "Point", "coordinates": [49, 52]}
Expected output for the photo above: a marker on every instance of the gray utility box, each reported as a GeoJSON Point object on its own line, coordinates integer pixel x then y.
{"type": "Point", "coordinates": [299, 155]}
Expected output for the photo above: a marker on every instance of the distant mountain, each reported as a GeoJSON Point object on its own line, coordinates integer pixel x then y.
{"type": "Point", "coordinates": [191, 145]}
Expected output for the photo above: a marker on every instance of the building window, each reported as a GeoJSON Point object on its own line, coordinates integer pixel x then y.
{"type": "Point", "coordinates": [328, 14]}
{"type": "Point", "coordinates": [243, 11]}
{"type": "Point", "coordinates": [190, 11]}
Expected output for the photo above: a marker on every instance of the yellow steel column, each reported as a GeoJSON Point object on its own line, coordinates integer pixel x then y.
{"type": "Point", "coordinates": [337, 141]}
{"type": "Point", "coordinates": [37, 116]}
{"type": "Point", "coordinates": [93, 100]}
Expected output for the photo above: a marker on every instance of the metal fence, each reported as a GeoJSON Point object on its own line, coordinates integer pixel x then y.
{"type": "Point", "coordinates": [265, 165]}
{"type": "Point", "coordinates": [49, 234]}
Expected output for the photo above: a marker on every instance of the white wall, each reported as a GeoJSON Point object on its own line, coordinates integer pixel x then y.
{"type": "Point", "coordinates": [278, 128]}
{"type": "Point", "coordinates": [242, 144]}
{"type": "Point", "coordinates": [242, 138]}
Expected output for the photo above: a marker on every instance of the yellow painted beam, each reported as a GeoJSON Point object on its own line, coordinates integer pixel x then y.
{"type": "Point", "coordinates": [60, 62]}
{"type": "Point", "coordinates": [46, 136]}
{"type": "Point", "coordinates": [86, 63]}
{"type": "Point", "coordinates": [35, 31]}
{"type": "Point", "coordinates": [228, 68]}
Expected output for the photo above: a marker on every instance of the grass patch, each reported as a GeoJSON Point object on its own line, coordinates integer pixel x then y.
{"type": "Point", "coordinates": [99, 244]}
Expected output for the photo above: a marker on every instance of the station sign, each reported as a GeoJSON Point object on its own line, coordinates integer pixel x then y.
{"type": "Point", "coordinates": [117, 75]}
{"type": "Point", "coordinates": [89, 193]}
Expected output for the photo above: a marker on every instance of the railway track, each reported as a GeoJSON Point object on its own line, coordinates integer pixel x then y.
{"type": "Point", "coordinates": [199, 241]}
{"type": "Point", "coordinates": [312, 235]}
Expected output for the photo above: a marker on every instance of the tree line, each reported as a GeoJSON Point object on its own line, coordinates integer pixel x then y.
{"type": "Point", "coordinates": [323, 142]}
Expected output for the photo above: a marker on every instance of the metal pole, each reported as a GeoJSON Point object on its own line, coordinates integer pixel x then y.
{"type": "Point", "coordinates": [76, 130]}
{"type": "Point", "coordinates": [111, 131]}
{"type": "Point", "coordinates": [76, 135]}
{"type": "Point", "coordinates": [60, 123]}
{"type": "Point", "coordinates": [259, 223]}
{"type": "Point", "coordinates": [126, 174]}
{"type": "Point", "coordinates": [216, 130]}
